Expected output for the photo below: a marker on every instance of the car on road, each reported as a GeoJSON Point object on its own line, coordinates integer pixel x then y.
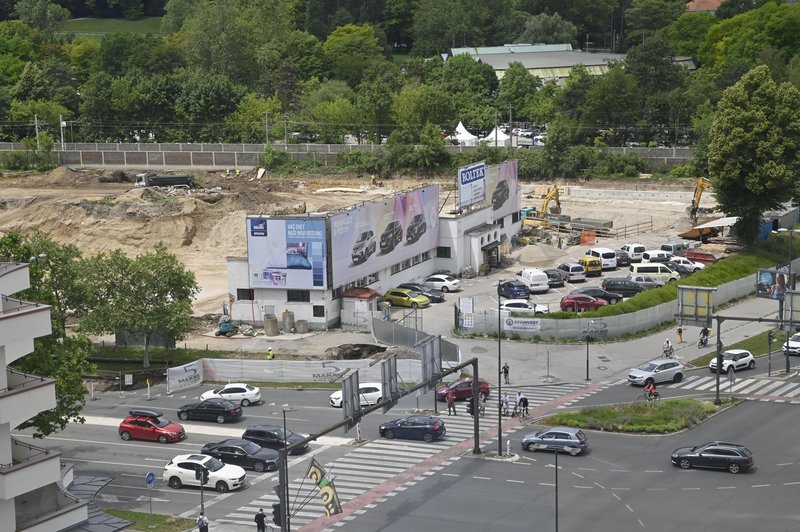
{"type": "Point", "coordinates": [625, 287]}
{"type": "Point", "coordinates": [734, 360]}
{"type": "Point", "coordinates": [436, 296]}
{"type": "Point", "coordinates": [416, 228]}
{"type": "Point", "coordinates": [612, 298]}
{"type": "Point", "coordinates": [274, 437]}
{"type": "Point", "coordinates": [716, 455]}
{"type": "Point", "coordinates": [391, 236]}
{"type": "Point", "coordinates": [445, 283]}
{"type": "Point", "coordinates": [655, 371]}
{"type": "Point", "coordinates": [425, 428]}
{"type": "Point", "coordinates": [462, 389]}
{"type": "Point", "coordinates": [554, 278]}
{"type": "Point", "coordinates": [364, 247]}
{"type": "Point", "coordinates": [522, 305]}
{"type": "Point", "coordinates": [181, 471]}
{"type": "Point", "coordinates": [403, 297]}
{"type": "Point", "coordinates": [513, 290]}
{"type": "Point", "coordinates": [646, 281]}
{"type": "Point", "coordinates": [623, 259]}
{"type": "Point", "coordinates": [369, 392]}
{"type": "Point", "coordinates": [149, 425]}
{"type": "Point", "coordinates": [572, 272]}
{"type": "Point", "coordinates": [792, 345]}
{"type": "Point", "coordinates": [576, 302]}
{"type": "Point", "coordinates": [236, 392]}
{"type": "Point", "coordinates": [500, 195]}
{"type": "Point", "coordinates": [243, 453]}
{"type": "Point", "coordinates": [561, 439]}
{"type": "Point", "coordinates": [218, 410]}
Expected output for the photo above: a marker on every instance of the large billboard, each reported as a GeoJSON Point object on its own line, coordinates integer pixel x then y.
{"type": "Point", "coordinates": [287, 253]}
{"type": "Point", "coordinates": [773, 284]}
{"type": "Point", "coordinates": [374, 235]}
{"type": "Point", "coordinates": [490, 185]}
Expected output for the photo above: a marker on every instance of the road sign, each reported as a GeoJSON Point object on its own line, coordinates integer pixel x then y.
{"type": "Point", "coordinates": [150, 478]}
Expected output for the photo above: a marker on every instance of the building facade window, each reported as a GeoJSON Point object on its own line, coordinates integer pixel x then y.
{"type": "Point", "coordinates": [443, 252]}
{"type": "Point", "coordinates": [298, 296]}
{"type": "Point", "coordinates": [245, 294]}
{"type": "Point", "coordinates": [319, 311]}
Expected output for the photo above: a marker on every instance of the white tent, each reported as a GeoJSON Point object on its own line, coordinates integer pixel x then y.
{"type": "Point", "coordinates": [501, 138]}
{"type": "Point", "coordinates": [464, 137]}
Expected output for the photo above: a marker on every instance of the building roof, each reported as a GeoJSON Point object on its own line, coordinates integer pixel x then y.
{"type": "Point", "coordinates": [512, 48]}
{"type": "Point", "coordinates": [701, 6]}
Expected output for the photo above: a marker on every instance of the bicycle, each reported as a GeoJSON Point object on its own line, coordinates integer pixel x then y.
{"type": "Point", "coordinates": [647, 397]}
{"type": "Point", "coordinates": [669, 352]}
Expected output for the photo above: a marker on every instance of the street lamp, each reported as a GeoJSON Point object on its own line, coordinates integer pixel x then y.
{"type": "Point", "coordinates": [790, 287]}
{"type": "Point", "coordinates": [500, 375]}
{"type": "Point", "coordinates": [285, 469]}
{"type": "Point", "coordinates": [588, 336]}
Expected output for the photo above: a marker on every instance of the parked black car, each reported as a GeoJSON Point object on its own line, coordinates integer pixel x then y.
{"type": "Point", "coordinates": [416, 228]}
{"type": "Point", "coordinates": [626, 287]}
{"type": "Point", "coordinates": [218, 410]}
{"type": "Point", "coordinates": [426, 428]}
{"type": "Point", "coordinates": [392, 235]}
{"type": "Point", "coordinates": [243, 453]}
{"type": "Point", "coordinates": [554, 278]}
{"type": "Point", "coordinates": [612, 298]}
{"type": "Point", "coordinates": [500, 195]}
{"type": "Point", "coordinates": [623, 259]}
{"type": "Point", "coordinates": [436, 296]}
{"type": "Point", "coordinates": [681, 269]}
{"type": "Point", "coordinates": [716, 454]}
{"type": "Point", "coordinates": [272, 437]}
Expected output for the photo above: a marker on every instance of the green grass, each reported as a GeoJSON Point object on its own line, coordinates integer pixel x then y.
{"type": "Point", "coordinates": [145, 522]}
{"type": "Point", "coordinates": [640, 417]}
{"type": "Point", "coordinates": [97, 27]}
{"type": "Point", "coordinates": [757, 345]}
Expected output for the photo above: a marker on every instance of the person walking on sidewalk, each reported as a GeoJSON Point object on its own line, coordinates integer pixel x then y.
{"type": "Point", "coordinates": [261, 521]}
{"type": "Point", "coordinates": [202, 523]}
{"type": "Point", "coordinates": [506, 374]}
{"type": "Point", "coordinates": [451, 403]}
{"type": "Point", "coordinates": [679, 333]}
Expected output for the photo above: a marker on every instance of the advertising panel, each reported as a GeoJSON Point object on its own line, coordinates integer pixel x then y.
{"type": "Point", "coordinates": [377, 234]}
{"type": "Point", "coordinates": [493, 185]}
{"type": "Point", "coordinates": [472, 184]}
{"type": "Point", "coordinates": [286, 253]}
{"type": "Point", "coordinates": [773, 284]}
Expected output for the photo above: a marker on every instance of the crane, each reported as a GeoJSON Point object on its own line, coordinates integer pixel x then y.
{"type": "Point", "coordinates": [702, 184]}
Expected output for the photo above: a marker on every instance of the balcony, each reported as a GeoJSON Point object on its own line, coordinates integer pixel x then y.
{"type": "Point", "coordinates": [25, 396]}
{"type": "Point", "coordinates": [14, 277]}
{"type": "Point", "coordinates": [23, 320]}
{"type": "Point", "coordinates": [31, 468]}
{"type": "Point", "coordinates": [49, 508]}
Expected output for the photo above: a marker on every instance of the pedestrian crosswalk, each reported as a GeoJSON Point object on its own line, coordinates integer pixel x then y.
{"type": "Point", "coordinates": [378, 461]}
{"type": "Point", "coordinates": [757, 388]}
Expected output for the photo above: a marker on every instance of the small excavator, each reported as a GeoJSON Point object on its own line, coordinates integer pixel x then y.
{"type": "Point", "coordinates": [692, 210]}
{"type": "Point", "coordinates": [540, 218]}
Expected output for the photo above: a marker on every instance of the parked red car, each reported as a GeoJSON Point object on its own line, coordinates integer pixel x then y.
{"type": "Point", "coordinates": [149, 425]}
{"type": "Point", "coordinates": [462, 389]}
{"type": "Point", "coordinates": [578, 302]}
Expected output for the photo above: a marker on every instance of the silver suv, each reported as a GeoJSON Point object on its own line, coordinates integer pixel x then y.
{"type": "Point", "coordinates": [658, 370]}
{"type": "Point", "coordinates": [560, 439]}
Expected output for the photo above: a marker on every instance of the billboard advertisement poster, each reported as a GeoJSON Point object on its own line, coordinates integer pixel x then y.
{"type": "Point", "coordinates": [472, 184]}
{"type": "Point", "coordinates": [377, 234]}
{"type": "Point", "coordinates": [287, 253]}
{"type": "Point", "coordinates": [523, 324]}
{"type": "Point", "coordinates": [773, 284]}
{"type": "Point", "coordinates": [501, 188]}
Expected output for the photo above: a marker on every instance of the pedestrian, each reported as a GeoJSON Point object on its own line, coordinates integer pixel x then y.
{"type": "Point", "coordinates": [270, 354]}
{"type": "Point", "coordinates": [261, 521]}
{"type": "Point", "coordinates": [451, 403]}
{"type": "Point", "coordinates": [202, 523]}
{"type": "Point", "coordinates": [506, 373]}
{"type": "Point", "coordinates": [680, 334]}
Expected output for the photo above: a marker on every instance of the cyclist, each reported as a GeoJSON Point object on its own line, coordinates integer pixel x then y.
{"type": "Point", "coordinates": [704, 332]}
{"type": "Point", "coordinates": [650, 390]}
{"type": "Point", "coordinates": [668, 348]}
{"type": "Point", "coordinates": [523, 406]}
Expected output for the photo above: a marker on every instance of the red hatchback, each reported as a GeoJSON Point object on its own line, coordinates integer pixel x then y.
{"type": "Point", "coordinates": [578, 302]}
{"type": "Point", "coordinates": [149, 425]}
{"type": "Point", "coordinates": [462, 389]}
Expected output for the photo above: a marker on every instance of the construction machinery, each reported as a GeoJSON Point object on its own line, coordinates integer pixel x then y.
{"type": "Point", "coordinates": [692, 210]}
{"type": "Point", "coordinates": [226, 326]}
{"type": "Point", "coordinates": [541, 218]}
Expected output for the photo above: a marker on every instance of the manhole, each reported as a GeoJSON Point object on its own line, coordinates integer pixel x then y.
{"type": "Point", "coordinates": [602, 368]}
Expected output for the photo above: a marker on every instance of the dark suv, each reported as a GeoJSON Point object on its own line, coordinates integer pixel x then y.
{"type": "Point", "coordinates": [416, 228]}
{"type": "Point", "coordinates": [392, 235]}
{"type": "Point", "coordinates": [611, 298]}
{"type": "Point", "coordinates": [272, 437]}
{"type": "Point", "coordinates": [500, 195]}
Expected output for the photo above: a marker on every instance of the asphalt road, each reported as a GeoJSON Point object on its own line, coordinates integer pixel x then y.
{"type": "Point", "coordinates": [622, 483]}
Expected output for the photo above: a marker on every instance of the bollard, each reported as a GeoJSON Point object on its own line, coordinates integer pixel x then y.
{"type": "Point", "coordinates": [508, 447]}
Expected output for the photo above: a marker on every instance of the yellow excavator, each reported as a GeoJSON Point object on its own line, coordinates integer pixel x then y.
{"type": "Point", "coordinates": [540, 218]}
{"type": "Point", "coordinates": [702, 184]}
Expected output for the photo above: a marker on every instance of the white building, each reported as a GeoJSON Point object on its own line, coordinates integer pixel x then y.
{"type": "Point", "coordinates": [302, 264]}
{"type": "Point", "coordinates": [32, 480]}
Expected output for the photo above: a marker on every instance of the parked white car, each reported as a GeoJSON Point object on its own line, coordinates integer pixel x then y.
{"type": "Point", "coordinates": [442, 282]}
{"type": "Point", "coordinates": [235, 392]}
{"type": "Point", "coordinates": [522, 305]}
{"type": "Point", "coordinates": [369, 392]}
{"type": "Point", "coordinates": [688, 263]}
{"type": "Point", "coordinates": [180, 471]}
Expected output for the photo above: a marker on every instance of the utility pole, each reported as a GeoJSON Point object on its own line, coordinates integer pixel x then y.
{"type": "Point", "coordinates": [266, 127]}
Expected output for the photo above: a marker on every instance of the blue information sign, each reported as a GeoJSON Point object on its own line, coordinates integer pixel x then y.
{"type": "Point", "coordinates": [150, 478]}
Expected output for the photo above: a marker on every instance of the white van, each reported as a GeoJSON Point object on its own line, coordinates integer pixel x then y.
{"type": "Point", "coordinates": [656, 255]}
{"type": "Point", "coordinates": [635, 250]}
{"type": "Point", "coordinates": [536, 280]}
{"type": "Point", "coordinates": [654, 270]}
{"type": "Point", "coordinates": [608, 257]}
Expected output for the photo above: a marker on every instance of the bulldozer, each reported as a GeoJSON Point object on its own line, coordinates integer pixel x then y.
{"type": "Point", "coordinates": [694, 209]}
{"type": "Point", "coordinates": [540, 218]}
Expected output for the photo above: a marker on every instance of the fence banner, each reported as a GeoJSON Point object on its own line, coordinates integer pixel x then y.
{"type": "Point", "coordinates": [185, 377]}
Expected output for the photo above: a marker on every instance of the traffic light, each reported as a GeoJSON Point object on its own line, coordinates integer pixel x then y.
{"type": "Point", "coordinates": [471, 406]}
{"type": "Point", "coordinates": [771, 337]}
{"type": "Point", "coordinates": [276, 513]}
{"type": "Point", "coordinates": [201, 474]}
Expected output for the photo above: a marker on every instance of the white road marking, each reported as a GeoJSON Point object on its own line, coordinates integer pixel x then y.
{"type": "Point", "coordinates": [616, 496]}
{"type": "Point", "coordinates": [690, 489]}
{"type": "Point", "coordinates": [628, 506]}
{"type": "Point", "coordinates": [516, 481]}
{"type": "Point", "coordinates": [790, 483]}
{"type": "Point", "coordinates": [599, 486]}
{"type": "Point", "coordinates": [450, 475]}
{"type": "Point", "coordinates": [760, 485]}
{"type": "Point", "coordinates": [577, 475]}
{"type": "Point", "coordinates": [726, 487]}
{"type": "Point", "coordinates": [482, 478]}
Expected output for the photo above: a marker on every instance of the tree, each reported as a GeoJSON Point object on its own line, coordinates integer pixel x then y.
{"type": "Point", "coordinates": [31, 85]}
{"type": "Point", "coordinates": [398, 15]}
{"type": "Point", "coordinates": [145, 295]}
{"type": "Point", "coordinates": [247, 123]}
{"type": "Point", "coordinates": [731, 8]}
{"type": "Point", "coordinates": [286, 63]}
{"type": "Point", "coordinates": [45, 16]}
{"type": "Point", "coordinates": [349, 50]}
{"type": "Point", "coordinates": [516, 87]}
{"type": "Point", "coordinates": [754, 154]}
{"type": "Point", "coordinates": [439, 25]}
{"type": "Point", "coordinates": [549, 29]}
{"type": "Point", "coordinates": [590, 17]}
{"type": "Point", "coordinates": [686, 34]}
{"type": "Point", "coordinates": [651, 65]}
{"type": "Point", "coordinates": [418, 105]}
{"type": "Point", "coordinates": [175, 14]}
{"type": "Point", "coordinates": [56, 280]}
{"type": "Point", "coordinates": [645, 17]}
{"type": "Point", "coordinates": [613, 100]}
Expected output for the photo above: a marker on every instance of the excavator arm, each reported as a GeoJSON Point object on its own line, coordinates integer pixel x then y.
{"type": "Point", "coordinates": [552, 195]}
{"type": "Point", "coordinates": [702, 184]}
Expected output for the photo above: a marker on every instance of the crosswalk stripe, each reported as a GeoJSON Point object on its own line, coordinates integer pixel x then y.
{"type": "Point", "coordinates": [770, 387]}
{"type": "Point", "coordinates": [792, 393]}
{"type": "Point", "coordinates": [746, 383]}
{"type": "Point", "coordinates": [756, 385]}
{"type": "Point", "coordinates": [695, 383]}
{"type": "Point", "coordinates": [707, 386]}
{"type": "Point", "coordinates": [781, 391]}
